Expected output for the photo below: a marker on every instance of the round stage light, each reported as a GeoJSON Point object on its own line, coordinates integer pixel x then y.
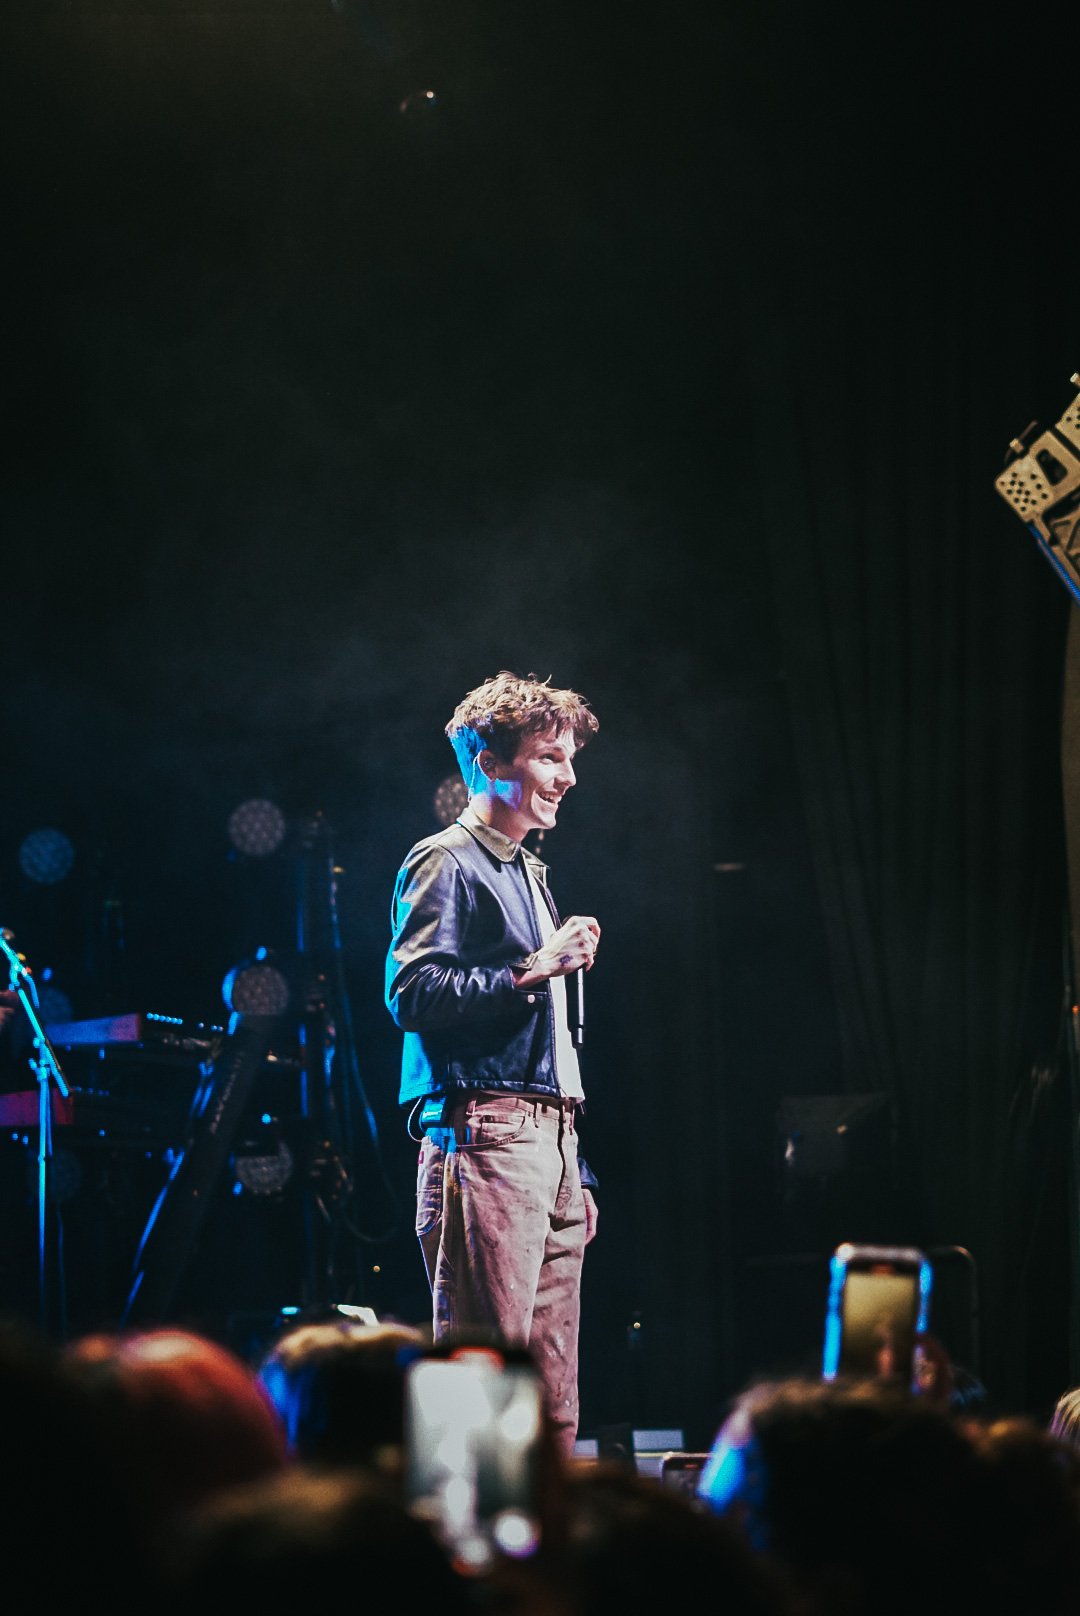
{"type": "Point", "coordinates": [450, 798]}
{"type": "Point", "coordinates": [256, 988]}
{"type": "Point", "coordinates": [262, 1172]}
{"type": "Point", "coordinates": [257, 827]}
{"type": "Point", "coordinates": [46, 856]}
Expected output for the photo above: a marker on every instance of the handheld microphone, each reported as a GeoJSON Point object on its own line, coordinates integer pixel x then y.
{"type": "Point", "coordinates": [577, 1008]}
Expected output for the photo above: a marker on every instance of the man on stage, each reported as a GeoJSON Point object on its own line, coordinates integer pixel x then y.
{"type": "Point", "coordinates": [477, 979]}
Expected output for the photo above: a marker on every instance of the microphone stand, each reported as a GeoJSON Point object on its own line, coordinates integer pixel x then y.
{"type": "Point", "coordinates": [46, 1066]}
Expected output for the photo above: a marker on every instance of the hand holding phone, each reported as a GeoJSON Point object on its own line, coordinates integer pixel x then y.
{"type": "Point", "coordinates": [474, 1428]}
{"type": "Point", "coordinates": [878, 1308]}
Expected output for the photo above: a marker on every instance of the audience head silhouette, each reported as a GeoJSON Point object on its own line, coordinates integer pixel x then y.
{"type": "Point", "coordinates": [185, 1416]}
{"type": "Point", "coordinates": [338, 1388]}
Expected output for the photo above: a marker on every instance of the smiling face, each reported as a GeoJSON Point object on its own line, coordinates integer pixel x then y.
{"type": "Point", "coordinates": [525, 794]}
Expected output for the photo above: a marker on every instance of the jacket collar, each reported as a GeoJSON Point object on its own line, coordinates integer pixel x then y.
{"type": "Point", "coordinates": [503, 847]}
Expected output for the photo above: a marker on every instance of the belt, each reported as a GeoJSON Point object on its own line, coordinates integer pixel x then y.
{"type": "Point", "coordinates": [564, 1104]}
{"type": "Point", "coordinates": [438, 1112]}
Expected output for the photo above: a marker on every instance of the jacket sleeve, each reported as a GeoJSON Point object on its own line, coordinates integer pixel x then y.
{"type": "Point", "coordinates": [427, 984]}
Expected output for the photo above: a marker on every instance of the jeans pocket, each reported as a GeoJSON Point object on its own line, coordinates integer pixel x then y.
{"type": "Point", "coordinates": [429, 1188]}
{"type": "Point", "coordinates": [486, 1128]}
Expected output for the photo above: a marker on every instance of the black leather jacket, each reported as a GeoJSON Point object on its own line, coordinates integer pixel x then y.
{"type": "Point", "coordinates": [462, 914]}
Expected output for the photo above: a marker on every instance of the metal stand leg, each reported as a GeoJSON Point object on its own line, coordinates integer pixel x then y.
{"type": "Point", "coordinates": [47, 1071]}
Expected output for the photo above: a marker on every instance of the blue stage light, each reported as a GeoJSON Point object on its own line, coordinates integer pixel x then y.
{"type": "Point", "coordinates": [46, 856]}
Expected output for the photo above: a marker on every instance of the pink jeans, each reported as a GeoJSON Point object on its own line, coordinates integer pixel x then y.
{"type": "Point", "coordinates": [500, 1217]}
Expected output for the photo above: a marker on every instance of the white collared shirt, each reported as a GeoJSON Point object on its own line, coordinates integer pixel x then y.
{"type": "Point", "coordinates": [567, 1068]}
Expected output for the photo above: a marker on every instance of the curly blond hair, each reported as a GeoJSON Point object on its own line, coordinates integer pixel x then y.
{"type": "Point", "coordinates": [498, 714]}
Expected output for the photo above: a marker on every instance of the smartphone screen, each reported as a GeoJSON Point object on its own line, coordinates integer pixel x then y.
{"type": "Point", "coordinates": [878, 1306]}
{"type": "Point", "coordinates": [683, 1470]}
{"type": "Point", "coordinates": [473, 1433]}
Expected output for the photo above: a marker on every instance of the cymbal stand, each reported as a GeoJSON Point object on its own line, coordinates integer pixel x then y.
{"type": "Point", "coordinates": [46, 1069]}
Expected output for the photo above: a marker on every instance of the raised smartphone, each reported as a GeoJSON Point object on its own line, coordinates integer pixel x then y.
{"type": "Point", "coordinates": [474, 1426]}
{"type": "Point", "coordinates": [878, 1306]}
{"type": "Point", "coordinates": [683, 1470]}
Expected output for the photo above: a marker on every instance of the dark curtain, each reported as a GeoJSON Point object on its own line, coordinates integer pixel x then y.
{"type": "Point", "coordinates": [899, 331]}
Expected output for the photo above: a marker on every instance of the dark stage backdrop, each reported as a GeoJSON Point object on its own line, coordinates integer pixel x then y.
{"type": "Point", "coordinates": [357, 350]}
